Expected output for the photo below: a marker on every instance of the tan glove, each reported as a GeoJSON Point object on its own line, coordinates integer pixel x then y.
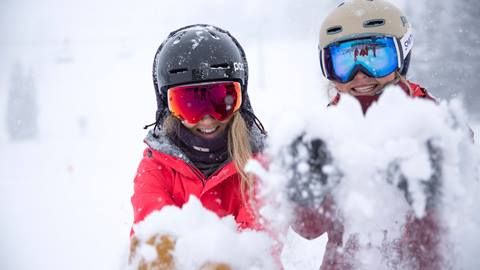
{"type": "Point", "coordinates": [164, 245]}
{"type": "Point", "coordinates": [215, 266]}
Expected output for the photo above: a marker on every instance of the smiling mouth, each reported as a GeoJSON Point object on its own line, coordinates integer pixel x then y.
{"type": "Point", "coordinates": [208, 130]}
{"type": "Point", "coordinates": [365, 89]}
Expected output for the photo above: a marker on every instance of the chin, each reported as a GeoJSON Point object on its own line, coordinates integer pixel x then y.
{"type": "Point", "coordinates": [373, 92]}
{"type": "Point", "coordinates": [207, 136]}
{"type": "Point", "coordinates": [358, 94]}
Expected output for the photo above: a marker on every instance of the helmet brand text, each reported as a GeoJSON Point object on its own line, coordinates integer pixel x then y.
{"type": "Point", "coordinates": [238, 66]}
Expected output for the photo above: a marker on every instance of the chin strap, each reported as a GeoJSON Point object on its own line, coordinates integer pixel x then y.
{"type": "Point", "coordinates": [158, 116]}
{"type": "Point", "coordinates": [149, 125]}
{"type": "Point", "coordinates": [257, 122]}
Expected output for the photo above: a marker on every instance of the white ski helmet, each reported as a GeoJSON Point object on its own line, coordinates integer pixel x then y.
{"type": "Point", "coordinates": [363, 18]}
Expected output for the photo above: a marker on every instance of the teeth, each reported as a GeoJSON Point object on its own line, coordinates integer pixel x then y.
{"type": "Point", "coordinates": [207, 130]}
{"type": "Point", "coordinates": [364, 88]}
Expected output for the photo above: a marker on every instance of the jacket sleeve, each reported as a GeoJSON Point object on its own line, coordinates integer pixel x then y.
{"type": "Point", "coordinates": [421, 241]}
{"type": "Point", "coordinates": [248, 216]}
{"type": "Point", "coordinates": [246, 219]}
{"type": "Point", "coordinates": [152, 187]}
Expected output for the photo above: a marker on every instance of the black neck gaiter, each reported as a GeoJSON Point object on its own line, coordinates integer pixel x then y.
{"type": "Point", "coordinates": [207, 155]}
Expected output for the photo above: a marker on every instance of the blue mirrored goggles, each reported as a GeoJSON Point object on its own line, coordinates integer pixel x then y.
{"type": "Point", "coordinates": [375, 56]}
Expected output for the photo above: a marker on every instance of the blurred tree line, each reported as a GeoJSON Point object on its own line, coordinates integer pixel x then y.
{"type": "Point", "coordinates": [446, 58]}
{"type": "Point", "coordinates": [22, 107]}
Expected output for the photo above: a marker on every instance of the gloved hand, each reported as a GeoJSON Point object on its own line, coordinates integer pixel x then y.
{"type": "Point", "coordinates": [164, 245]}
{"type": "Point", "coordinates": [215, 266]}
{"type": "Point", "coordinates": [430, 187]}
{"type": "Point", "coordinates": [310, 171]}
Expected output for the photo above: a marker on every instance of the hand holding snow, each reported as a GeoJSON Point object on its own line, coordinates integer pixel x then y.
{"type": "Point", "coordinates": [200, 238]}
{"type": "Point", "coordinates": [401, 158]}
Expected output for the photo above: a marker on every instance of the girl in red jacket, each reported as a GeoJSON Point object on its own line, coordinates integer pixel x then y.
{"type": "Point", "coordinates": [205, 129]}
{"type": "Point", "coordinates": [365, 45]}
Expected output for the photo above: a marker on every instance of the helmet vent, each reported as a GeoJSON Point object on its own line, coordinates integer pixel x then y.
{"type": "Point", "coordinates": [215, 36]}
{"type": "Point", "coordinates": [179, 37]}
{"type": "Point", "coordinates": [177, 70]}
{"type": "Point", "coordinates": [220, 66]}
{"type": "Point", "coordinates": [373, 23]}
{"type": "Point", "coordinates": [334, 30]}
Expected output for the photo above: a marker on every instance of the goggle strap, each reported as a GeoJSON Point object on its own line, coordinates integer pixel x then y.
{"type": "Point", "coordinates": [168, 98]}
{"type": "Point", "coordinates": [400, 54]}
{"type": "Point", "coordinates": [322, 60]}
{"type": "Point", "coordinates": [407, 42]}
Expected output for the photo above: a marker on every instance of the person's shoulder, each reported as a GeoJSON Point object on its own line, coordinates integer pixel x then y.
{"type": "Point", "coordinates": [154, 154]}
{"type": "Point", "coordinates": [419, 91]}
{"type": "Point", "coordinates": [161, 147]}
{"type": "Point", "coordinates": [154, 160]}
{"type": "Point", "coordinates": [334, 101]}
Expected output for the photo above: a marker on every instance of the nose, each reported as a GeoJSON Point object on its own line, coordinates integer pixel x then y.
{"type": "Point", "coordinates": [360, 75]}
{"type": "Point", "coordinates": [206, 119]}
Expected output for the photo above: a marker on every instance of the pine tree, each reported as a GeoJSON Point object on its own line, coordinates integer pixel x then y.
{"type": "Point", "coordinates": [22, 109]}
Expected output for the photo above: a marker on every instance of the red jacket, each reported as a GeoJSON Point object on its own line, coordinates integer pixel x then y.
{"type": "Point", "coordinates": [163, 179]}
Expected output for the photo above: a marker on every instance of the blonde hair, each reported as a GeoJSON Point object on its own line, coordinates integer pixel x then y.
{"type": "Point", "coordinates": [239, 148]}
{"type": "Point", "coordinates": [240, 152]}
{"type": "Point", "coordinates": [401, 79]}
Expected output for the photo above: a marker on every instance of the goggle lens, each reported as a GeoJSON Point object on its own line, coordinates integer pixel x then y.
{"type": "Point", "coordinates": [376, 56]}
{"type": "Point", "coordinates": [193, 102]}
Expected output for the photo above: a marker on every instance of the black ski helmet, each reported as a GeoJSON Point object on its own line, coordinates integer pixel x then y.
{"type": "Point", "coordinates": [199, 53]}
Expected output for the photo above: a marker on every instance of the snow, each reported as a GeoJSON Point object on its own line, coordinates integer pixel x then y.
{"type": "Point", "coordinates": [64, 196]}
{"type": "Point", "coordinates": [401, 132]}
{"type": "Point", "coordinates": [308, 257]}
{"type": "Point", "coordinates": [201, 237]}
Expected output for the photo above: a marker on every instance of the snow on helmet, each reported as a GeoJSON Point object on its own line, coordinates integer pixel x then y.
{"type": "Point", "coordinates": [195, 54]}
{"type": "Point", "coordinates": [363, 18]}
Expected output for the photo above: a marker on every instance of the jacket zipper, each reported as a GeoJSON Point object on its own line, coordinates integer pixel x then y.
{"type": "Point", "coordinates": [198, 174]}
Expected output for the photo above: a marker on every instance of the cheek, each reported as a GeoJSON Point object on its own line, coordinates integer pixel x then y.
{"type": "Point", "coordinates": [342, 87]}
{"type": "Point", "coordinates": [223, 124]}
{"type": "Point", "coordinates": [187, 125]}
{"type": "Point", "coordinates": [383, 81]}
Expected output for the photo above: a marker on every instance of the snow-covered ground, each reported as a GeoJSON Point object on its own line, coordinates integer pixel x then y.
{"type": "Point", "coordinates": [64, 196]}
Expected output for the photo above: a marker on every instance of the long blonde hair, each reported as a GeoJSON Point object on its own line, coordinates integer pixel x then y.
{"type": "Point", "coordinates": [239, 148]}
{"type": "Point", "coordinates": [240, 152]}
